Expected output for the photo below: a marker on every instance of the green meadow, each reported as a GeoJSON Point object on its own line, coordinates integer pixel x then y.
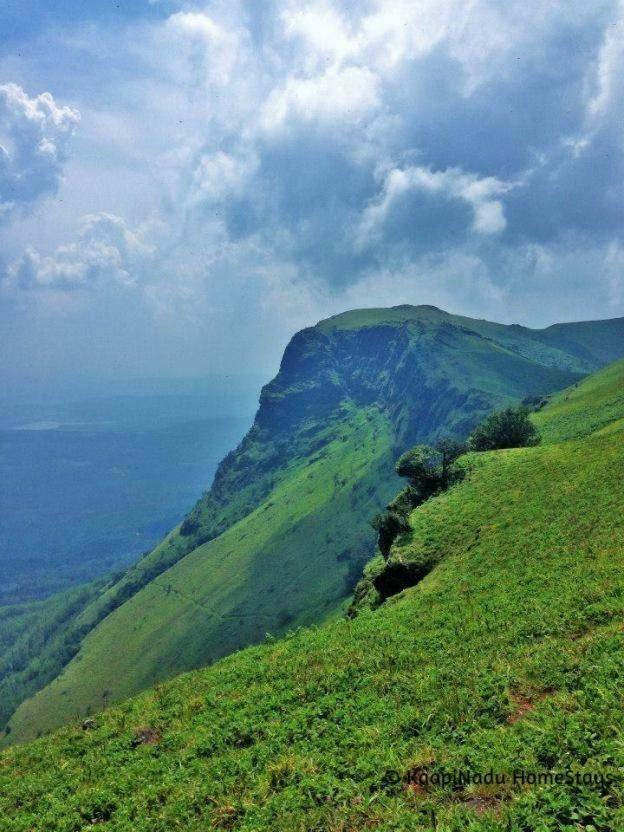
{"type": "Point", "coordinates": [506, 658]}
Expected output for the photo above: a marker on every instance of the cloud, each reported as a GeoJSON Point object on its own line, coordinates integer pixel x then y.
{"type": "Point", "coordinates": [608, 72]}
{"type": "Point", "coordinates": [210, 47]}
{"type": "Point", "coordinates": [34, 138]}
{"type": "Point", "coordinates": [480, 194]}
{"type": "Point", "coordinates": [276, 162]}
{"type": "Point", "coordinates": [335, 98]}
{"type": "Point", "coordinates": [219, 176]}
{"type": "Point", "coordinates": [343, 141]}
{"type": "Point", "coordinates": [105, 250]}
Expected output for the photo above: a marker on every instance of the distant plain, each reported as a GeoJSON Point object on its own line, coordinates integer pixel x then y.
{"type": "Point", "coordinates": [88, 484]}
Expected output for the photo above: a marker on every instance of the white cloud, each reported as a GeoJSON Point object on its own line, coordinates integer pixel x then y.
{"type": "Point", "coordinates": [34, 136]}
{"type": "Point", "coordinates": [337, 97]}
{"type": "Point", "coordinates": [105, 250]}
{"type": "Point", "coordinates": [483, 37]}
{"type": "Point", "coordinates": [211, 49]}
{"type": "Point", "coordinates": [604, 86]}
{"type": "Point", "coordinates": [323, 29]}
{"type": "Point", "coordinates": [480, 193]}
{"type": "Point", "coordinates": [609, 71]}
{"type": "Point", "coordinates": [220, 175]}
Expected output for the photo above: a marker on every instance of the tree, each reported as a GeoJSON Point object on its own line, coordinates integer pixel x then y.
{"type": "Point", "coordinates": [509, 428]}
{"type": "Point", "coordinates": [450, 450]}
{"type": "Point", "coordinates": [421, 466]}
{"type": "Point", "coordinates": [388, 525]}
{"type": "Point", "coordinates": [428, 470]}
{"type": "Point", "coordinates": [431, 469]}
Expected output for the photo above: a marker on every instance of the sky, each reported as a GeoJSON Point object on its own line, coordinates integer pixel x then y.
{"type": "Point", "coordinates": [183, 185]}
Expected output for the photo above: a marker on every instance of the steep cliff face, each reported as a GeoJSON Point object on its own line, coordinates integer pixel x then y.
{"type": "Point", "coordinates": [281, 537]}
{"type": "Point", "coordinates": [426, 370]}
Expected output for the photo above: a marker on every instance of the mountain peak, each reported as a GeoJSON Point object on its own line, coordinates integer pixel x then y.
{"type": "Point", "coordinates": [381, 316]}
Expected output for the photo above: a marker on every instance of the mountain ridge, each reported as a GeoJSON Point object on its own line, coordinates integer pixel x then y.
{"type": "Point", "coordinates": [281, 537]}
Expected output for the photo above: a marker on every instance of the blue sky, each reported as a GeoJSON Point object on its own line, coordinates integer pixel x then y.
{"type": "Point", "coordinates": [183, 185]}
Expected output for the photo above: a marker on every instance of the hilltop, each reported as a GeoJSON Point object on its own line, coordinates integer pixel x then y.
{"type": "Point", "coordinates": [281, 538]}
{"type": "Point", "coordinates": [505, 657]}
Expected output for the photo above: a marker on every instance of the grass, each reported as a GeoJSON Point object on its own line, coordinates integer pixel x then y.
{"type": "Point", "coordinates": [507, 656]}
{"type": "Point", "coordinates": [585, 408]}
{"type": "Point", "coordinates": [37, 639]}
{"type": "Point", "coordinates": [281, 537]}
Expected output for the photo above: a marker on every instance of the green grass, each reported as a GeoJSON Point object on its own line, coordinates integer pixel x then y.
{"type": "Point", "coordinates": [580, 347]}
{"type": "Point", "coordinates": [584, 409]}
{"type": "Point", "coordinates": [36, 640]}
{"type": "Point", "coordinates": [508, 655]}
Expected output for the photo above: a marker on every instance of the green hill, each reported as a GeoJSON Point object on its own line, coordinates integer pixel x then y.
{"type": "Point", "coordinates": [281, 538]}
{"type": "Point", "coordinates": [506, 658]}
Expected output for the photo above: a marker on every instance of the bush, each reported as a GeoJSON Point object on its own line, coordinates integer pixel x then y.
{"type": "Point", "coordinates": [190, 526]}
{"type": "Point", "coordinates": [429, 471]}
{"type": "Point", "coordinates": [509, 428]}
{"type": "Point", "coordinates": [421, 466]}
{"type": "Point", "coordinates": [388, 525]}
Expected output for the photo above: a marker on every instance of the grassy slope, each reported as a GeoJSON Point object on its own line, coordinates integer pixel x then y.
{"type": "Point", "coordinates": [508, 655]}
{"type": "Point", "coordinates": [292, 547]}
{"type": "Point", "coordinates": [582, 346]}
{"type": "Point", "coordinates": [200, 609]}
{"type": "Point", "coordinates": [596, 403]}
{"type": "Point", "coordinates": [36, 640]}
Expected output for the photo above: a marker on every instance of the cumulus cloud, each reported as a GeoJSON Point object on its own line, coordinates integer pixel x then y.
{"type": "Point", "coordinates": [34, 138]}
{"type": "Point", "coordinates": [219, 176]}
{"type": "Point", "coordinates": [210, 47]}
{"type": "Point", "coordinates": [344, 142]}
{"type": "Point", "coordinates": [105, 250]}
{"type": "Point", "coordinates": [335, 98]}
{"type": "Point", "coordinates": [481, 194]}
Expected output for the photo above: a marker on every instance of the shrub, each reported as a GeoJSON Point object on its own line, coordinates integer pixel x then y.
{"type": "Point", "coordinates": [190, 526]}
{"type": "Point", "coordinates": [421, 466]}
{"type": "Point", "coordinates": [430, 469]}
{"type": "Point", "coordinates": [509, 428]}
{"type": "Point", "coordinates": [388, 525]}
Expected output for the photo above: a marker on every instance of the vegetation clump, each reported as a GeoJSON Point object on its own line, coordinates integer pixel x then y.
{"type": "Point", "coordinates": [389, 525]}
{"type": "Point", "coordinates": [509, 428]}
{"type": "Point", "coordinates": [429, 471]}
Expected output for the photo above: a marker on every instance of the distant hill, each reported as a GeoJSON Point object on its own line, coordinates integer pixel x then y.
{"type": "Point", "coordinates": [281, 537]}
{"type": "Point", "coordinates": [505, 662]}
